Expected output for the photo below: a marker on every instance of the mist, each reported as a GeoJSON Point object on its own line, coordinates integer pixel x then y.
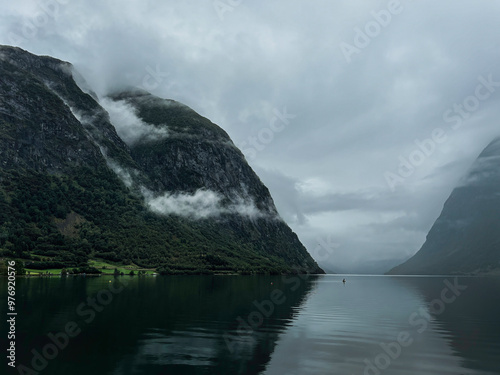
{"type": "Point", "coordinates": [356, 116]}
{"type": "Point", "coordinates": [129, 127]}
{"type": "Point", "coordinates": [202, 204]}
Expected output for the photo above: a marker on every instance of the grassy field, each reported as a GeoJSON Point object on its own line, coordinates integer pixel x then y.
{"type": "Point", "coordinates": [53, 271]}
{"type": "Point", "coordinates": [107, 268]}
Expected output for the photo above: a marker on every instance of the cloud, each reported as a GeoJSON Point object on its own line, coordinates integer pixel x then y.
{"type": "Point", "coordinates": [485, 169]}
{"type": "Point", "coordinates": [369, 225]}
{"type": "Point", "coordinates": [202, 204]}
{"type": "Point", "coordinates": [353, 121]}
{"type": "Point", "coordinates": [122, 173]}
{"type": "Point", "coordinates": [129, 127]}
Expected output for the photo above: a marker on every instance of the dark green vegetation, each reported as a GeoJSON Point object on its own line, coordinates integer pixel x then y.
{"type": "Point", "coordinates": [61, 203]}
{"type": "Point", "coordinates": [114, 225]}
{"type": "Point", "coordinates": [18, 267]}
{"type": "Point", "coordinates": [465, 239]}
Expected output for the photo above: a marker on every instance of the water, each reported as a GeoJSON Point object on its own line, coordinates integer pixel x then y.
{"type": "Point", "coordinates": [256, 325]}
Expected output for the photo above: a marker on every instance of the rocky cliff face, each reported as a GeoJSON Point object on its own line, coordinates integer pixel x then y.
{"type": "Point", "coordinates": [191, 153]}
{"type": "Point", "coordinates": [45, 111]}
{"type": "Point", "coordinates": [465, 239]}
{"type": "Point", "coordinates": [155, 184]}
{"type": "Point", "coordinates": [33, 117]}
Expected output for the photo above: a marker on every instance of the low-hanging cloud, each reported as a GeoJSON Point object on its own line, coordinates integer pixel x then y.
{"type": "Point", "coordinates": [202, 204]}
{"type": "Point", "coordinates": [122, 173]}
{"type": "Point", "coordinates": [484, 169]}
{"type": "Point", "coordinates": [129, 126]}
{"type": "Point", "coordinates": [353, 120]}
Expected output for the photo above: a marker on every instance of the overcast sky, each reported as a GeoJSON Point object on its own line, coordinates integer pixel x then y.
{"type": "Point", "coordinates": [325, 98]}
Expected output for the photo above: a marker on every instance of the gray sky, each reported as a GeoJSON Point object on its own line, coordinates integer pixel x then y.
{"type": "Point", "coordinates": [325, 98]}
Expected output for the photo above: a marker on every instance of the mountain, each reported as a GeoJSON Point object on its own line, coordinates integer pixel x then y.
{"type": "Point", "coordinates": [365, 267]}
{"type": "Point", "coordinates": [465, 239]}
{"type": "Point", "coordinates": [128, 179]}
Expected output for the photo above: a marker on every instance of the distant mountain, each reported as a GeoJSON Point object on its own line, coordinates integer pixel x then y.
{"type": "Point", "coordinates": [131, 178]}
{"type": "Point", "coordinates": [465, 239]}
{"type": "Point", "coordinates": [368, 267]}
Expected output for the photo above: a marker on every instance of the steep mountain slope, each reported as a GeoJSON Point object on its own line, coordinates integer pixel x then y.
{"type": "Point", "coordinates": [466, 236]}
{"type": "Point", "coordinates": [193, 154]}
{"type": "Point", "coordinates": [182, 199]}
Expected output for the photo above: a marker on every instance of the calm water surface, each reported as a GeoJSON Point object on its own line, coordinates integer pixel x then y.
{"type": "Point", "coordinates": [256, 325]}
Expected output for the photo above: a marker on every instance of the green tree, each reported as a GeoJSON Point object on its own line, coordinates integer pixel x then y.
{"type": "Point", "coordinates": [19, 267]}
